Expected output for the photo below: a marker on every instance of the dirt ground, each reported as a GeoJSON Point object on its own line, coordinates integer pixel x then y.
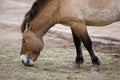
{"type": "Point", "coordinates": [55, 60]}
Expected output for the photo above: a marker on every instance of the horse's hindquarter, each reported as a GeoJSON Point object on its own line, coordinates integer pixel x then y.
{"type": "Point", "coordinates": [93, 12]}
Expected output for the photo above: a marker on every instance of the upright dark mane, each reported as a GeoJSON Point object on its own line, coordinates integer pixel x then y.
{"type": "Point", "coordinates": [32, 13]}
{"type": "Point", "coordinates": [37, 5]}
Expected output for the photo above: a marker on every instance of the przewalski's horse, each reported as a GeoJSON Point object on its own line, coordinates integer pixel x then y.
{"type": "Point", "coordinates": [75, 13]}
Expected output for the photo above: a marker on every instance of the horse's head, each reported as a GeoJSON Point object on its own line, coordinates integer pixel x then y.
{"type": "Point", "coordinates": [41, 17]}
{"type": "Point", "coordinates": [31, 47]}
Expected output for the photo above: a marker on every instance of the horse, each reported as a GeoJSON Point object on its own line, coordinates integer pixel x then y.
{"type": "Point", "coordinates": [77, 14]}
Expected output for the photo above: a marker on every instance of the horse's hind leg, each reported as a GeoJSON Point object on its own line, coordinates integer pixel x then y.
{"type": "Point", "coordinates": [81, 31]}
{"type": "Point", "coordinates": [88, 45]}
{"type": "Point", "coordinates": [79, 57]}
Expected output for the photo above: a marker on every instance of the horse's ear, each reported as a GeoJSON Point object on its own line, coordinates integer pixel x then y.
{"type": "Point", "coordinates": [25, 27]}
{"type": "Point", "coordinates": [28, 26]}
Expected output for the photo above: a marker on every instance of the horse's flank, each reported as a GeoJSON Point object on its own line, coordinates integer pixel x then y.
{"type": "Point", "coordinates": [102, 12]}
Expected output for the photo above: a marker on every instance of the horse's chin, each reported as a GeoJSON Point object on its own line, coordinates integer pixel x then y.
{"type": "Point", "coordinates": [27, 61]}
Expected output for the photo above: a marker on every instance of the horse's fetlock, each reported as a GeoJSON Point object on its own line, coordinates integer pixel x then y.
{"type": "Point", "coordinates": [79, 59]}
{"type": "Point", "coordinates": [96, 60]}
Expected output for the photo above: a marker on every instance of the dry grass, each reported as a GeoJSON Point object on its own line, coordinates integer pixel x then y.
{"type": "Point", "coordinates": [54, 62]}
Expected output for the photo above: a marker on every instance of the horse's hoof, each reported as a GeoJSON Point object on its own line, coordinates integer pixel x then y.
{"type": "Point", "coordinates": [75, 65]}
{"type": "Point", "coordinates": [95, 68]}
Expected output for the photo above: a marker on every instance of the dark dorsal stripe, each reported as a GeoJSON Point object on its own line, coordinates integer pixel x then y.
{"type": "Point", "coordinates": [32, 13]}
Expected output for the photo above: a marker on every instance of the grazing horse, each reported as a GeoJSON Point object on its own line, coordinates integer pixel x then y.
{"type": "Point", "coordinates": [75, 13]}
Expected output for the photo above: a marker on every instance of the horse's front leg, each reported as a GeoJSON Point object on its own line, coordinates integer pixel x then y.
{"type": "Point", "coordinates": [79, 57]}
{"type": "Point", "coordinates": [81, 31]}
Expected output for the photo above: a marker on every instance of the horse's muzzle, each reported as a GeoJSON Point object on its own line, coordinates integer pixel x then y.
{"type": "Point", "coordinates": [27, 61]}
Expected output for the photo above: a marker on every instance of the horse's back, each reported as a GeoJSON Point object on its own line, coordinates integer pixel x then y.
{"type": "Point", "coordinates": [93, 12]}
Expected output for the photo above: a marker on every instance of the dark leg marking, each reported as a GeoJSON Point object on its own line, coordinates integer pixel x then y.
{"type": "Point", "coordinates": [88, 44]}
{"type": "Point", "coordinates": [77, 43]}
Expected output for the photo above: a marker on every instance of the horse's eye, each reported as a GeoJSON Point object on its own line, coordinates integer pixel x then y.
{"type": "Point", "coordinates": [23, 41]}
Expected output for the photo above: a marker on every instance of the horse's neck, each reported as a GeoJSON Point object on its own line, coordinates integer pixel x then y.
{"type": "Point", "coordinates": [45, 18]}
{"type": "Point", "coordinates": [40, 27]}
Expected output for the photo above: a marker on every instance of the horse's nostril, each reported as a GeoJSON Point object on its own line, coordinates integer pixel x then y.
{"type": "Point", "coordinates": [27, 61]}
{"type": "Point", "coordinates": [22, 61]}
